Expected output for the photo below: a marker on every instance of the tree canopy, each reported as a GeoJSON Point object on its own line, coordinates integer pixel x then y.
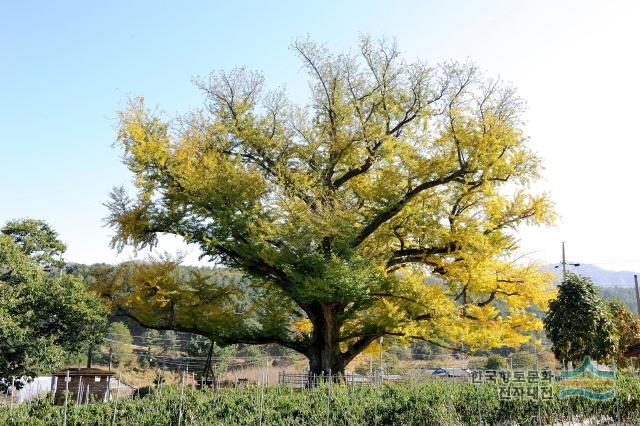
{"type": "Point", "coordinates": [42, 319]}
{"type": "Point", "coordinates": [385, 206]}
{"type": "Point", "coordinates": [37, 240]}
{"type": "Point", "coordinates": [627, 330]}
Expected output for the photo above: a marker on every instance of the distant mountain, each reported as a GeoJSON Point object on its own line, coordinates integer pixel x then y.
{"type": "Point", "coordinates": [601, 277]}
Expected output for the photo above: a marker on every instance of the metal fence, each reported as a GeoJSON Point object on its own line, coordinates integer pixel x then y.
{"type": "Point", "coordinates": [307, 380]}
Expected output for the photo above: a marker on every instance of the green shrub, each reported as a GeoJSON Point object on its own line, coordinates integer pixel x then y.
{"type": "Point", "coordinates": [494, 362]}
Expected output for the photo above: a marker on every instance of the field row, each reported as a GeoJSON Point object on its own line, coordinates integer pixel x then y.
{"type": "Point", "coordinates": [395, 404]}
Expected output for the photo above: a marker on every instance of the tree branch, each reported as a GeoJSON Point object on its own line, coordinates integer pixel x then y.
{"type": "Point", "coordinates": [408, 255]}
{"type": "Point", "coordinates": [492, 297]}
{"type": "Point", "coordinates": [360, 345]}
{"type": "Point", "coordinates": [250, 340]}
{"type": "Point", "coordinates": [392, 211]}
{"type": "Point", "coordinates": [366, 165]}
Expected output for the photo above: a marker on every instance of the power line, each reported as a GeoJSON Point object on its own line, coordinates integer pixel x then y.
{"type": "Point", "coordinates": [612, 262]}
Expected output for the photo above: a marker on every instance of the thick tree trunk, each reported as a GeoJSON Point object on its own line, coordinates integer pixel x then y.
{"type": "Point", "coordinates": [324, 353]}
{"type": "Point", "coordinates": [325, 361]}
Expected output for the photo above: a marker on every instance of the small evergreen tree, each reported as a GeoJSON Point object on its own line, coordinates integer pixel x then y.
{"type": "Point", "coordinates": [579, 323]}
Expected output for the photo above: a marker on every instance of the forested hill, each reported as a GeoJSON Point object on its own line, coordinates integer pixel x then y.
{"type": "Point", "coordinates": [626, 295]}
{"type": "Point", "coordinates": [611, 284]}
{"type": "Point", "coordinates": [223, 275]}
{"type": "Point", "coordinates": [600, 276]}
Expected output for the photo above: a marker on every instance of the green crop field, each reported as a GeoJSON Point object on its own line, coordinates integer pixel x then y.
{"type": "Point", "coordinates": [400, 404]}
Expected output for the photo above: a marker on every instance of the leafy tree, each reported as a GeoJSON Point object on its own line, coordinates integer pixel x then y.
{"type": "Point", "coordinates": [169, 341]}
{"type": "Point", "coordinates": [119, 344]}
{"type": "Point", "coordinates": [37, 240]}
{"type": "Point", "coordinates": [386, 206]}
{"type": "Point", "coordinates": [42, 320]}
{"type": "Point", "coordinates": [578, 322]}
{"type": "Point", "coordinates": [255, 354]}
{"type": "Point", "coordinates": [151, 338]}
{"type": "Point", "coordinates": [627, 330]}
{"type": "Point", "coordinates": [494, 362]}
{"type": "Point", "coordinates": [222, 357]}
{"type": "Point", "coordinates": [198, 346]}
{"type": "Point", "coordinates": [390, 363]}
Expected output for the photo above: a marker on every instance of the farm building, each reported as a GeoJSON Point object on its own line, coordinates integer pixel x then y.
{"type": "Point", "coordinates": [451, 372]}
{"type": "Point", "coordinates": [83, 384]}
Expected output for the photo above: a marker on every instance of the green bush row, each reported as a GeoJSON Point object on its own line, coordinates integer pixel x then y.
{"type": "Point", "coordinates": [399, 404]}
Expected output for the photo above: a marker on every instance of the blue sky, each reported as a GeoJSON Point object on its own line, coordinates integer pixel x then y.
{"type": "Point", "coordinates": [67, 67]}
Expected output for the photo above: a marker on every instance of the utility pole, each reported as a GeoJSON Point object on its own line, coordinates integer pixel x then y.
{"type": "Point", "coordinates": [564, 264]}
{"type": "Point", "coordinates": [635, 277]}
{"type": "Point", "coordinates": [381, 365]}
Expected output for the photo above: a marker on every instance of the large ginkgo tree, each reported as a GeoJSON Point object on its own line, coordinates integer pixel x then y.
{"type": "Point", "coordinates": [387, 205]}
